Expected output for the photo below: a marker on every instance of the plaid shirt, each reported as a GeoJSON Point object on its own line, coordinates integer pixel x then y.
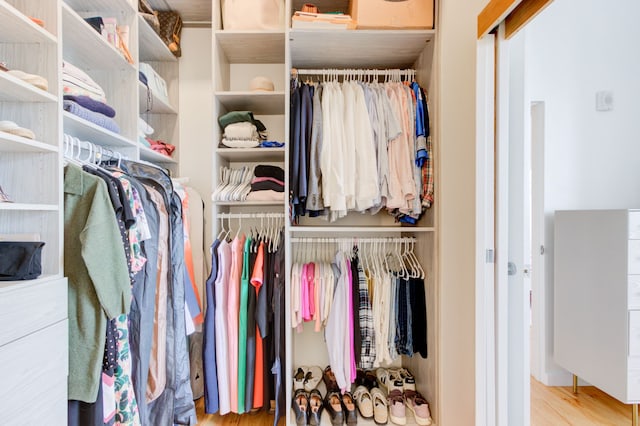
{"type": "Point", "coordinates": [367, 332]}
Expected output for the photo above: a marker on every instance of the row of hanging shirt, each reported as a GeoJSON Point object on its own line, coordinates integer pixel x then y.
{"type": "Point", "coordinates": [360, 146]}
{"type": "Point", "coordinates": [244, 346]}
{"type": "Point", "coordinates": [132, 297]}
{"type": "Point", "coordinates": [374, 286]}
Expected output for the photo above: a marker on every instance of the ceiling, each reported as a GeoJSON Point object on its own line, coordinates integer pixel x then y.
{"type": "Point", "coordinates": [191, 11]}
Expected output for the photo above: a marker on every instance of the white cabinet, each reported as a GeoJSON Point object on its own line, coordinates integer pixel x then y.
{"type": "Point", "coordinates": [34, 352]}
{"type": "Point", "coordinates": [597, 299]}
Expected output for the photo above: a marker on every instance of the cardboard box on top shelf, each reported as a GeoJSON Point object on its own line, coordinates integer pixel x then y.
{"type": "Point", "coordinates": [394, 14]}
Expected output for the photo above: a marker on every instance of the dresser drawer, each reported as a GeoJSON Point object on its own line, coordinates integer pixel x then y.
{"type": "Point", "coordinates": [633, 385]}
{"type": "Point", "coordinates": [31, 305]}
{"type": "Point", "coordinates": [633, 292]}
{"type": "Point", "coordinates": [634, 333]}
{"type": "Point", "coordinates": [633, 266]}
{"type": "Point", "coordinates": [634, 225]}
{"type": "Point", "coordinates": [34, 378]}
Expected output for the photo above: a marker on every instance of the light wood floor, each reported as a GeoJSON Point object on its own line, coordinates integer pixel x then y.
{"type": "Point", "coordinates": [558, 406]}
{"type": "Point", "coordinates": [260, 418]}
{"type": "Point", "coordinates": [550, 406]}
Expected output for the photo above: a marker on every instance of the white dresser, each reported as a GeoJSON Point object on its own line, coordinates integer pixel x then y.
{"type": "Point", "coordinates": [33, 352]}
{"type": "Point", "coordinates": [597, 299]}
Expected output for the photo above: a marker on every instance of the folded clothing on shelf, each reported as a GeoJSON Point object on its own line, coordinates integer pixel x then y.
{"type": "Point", "coordinates": [76, 82]}
{"type": "Point", "coordinates": [93, 117]}
{"type": "Point", "coordinates": [271, 144]}
{"type": "Point", "coordinates": [243, 131]}
{"type": "Point", "coordinates": [268, 184]}
{"type": "Point", "coordinates": [267, 195]}
{"type": "Point", "coordinates": [240, 143]}
{"type": "Point", "coordinates": [92, 105]}
{"type": "Point", "coordinates": [240, 117]}
{"type": "Point", "coordinates": [264, 170]}
{"type": "Point", "coordinates": [33, 79]}
{"type": "Point", "coordinates": [331, 21]}
{"type": "Point", "coordinates": [161, 147]}
{"type": "Point", "coordinates": [11, 127]}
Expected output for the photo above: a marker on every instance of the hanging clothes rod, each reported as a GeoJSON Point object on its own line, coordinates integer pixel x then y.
{"type": "Point", "coordinates": [96, 152]}
{"type": "Point", "coordinates": [354, 71]}
{"type": "Point", "coordinates": [251, 215]}
{"type": "Point", "coordinates": [354, 240]}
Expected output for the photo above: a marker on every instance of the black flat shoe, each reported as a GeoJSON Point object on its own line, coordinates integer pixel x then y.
{"type": "Point", "coordinates": [333, 404]}
{"type": "Point", "coordinates": [315, 407]}
{"type": "Point", "coordinates": [301, 407]}
{"type": "Point", "coordinates": [349, 408]}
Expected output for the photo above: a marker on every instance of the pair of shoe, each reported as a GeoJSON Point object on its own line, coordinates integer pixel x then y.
{"type": "Point", "coordinates": [401, 392]}
{"type": "Point", "coordinates": [307, 407]}
{"type": "Point", "coordinates": [341, 408]}
{"type": "Point", "coordinates": [307, 378]}
{"type": "Point", "coordinates": [372, 404]}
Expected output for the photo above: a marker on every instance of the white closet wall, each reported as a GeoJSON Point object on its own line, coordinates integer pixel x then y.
{"type": "Point", "coordinates": [239, 56]}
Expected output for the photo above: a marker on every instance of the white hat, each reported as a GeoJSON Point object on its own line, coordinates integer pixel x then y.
{"type": "Point", "coordinates": [261, 84]}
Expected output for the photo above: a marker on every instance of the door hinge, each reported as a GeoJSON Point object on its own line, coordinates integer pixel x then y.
{"type": "Point", "coordinates": [489, 256]}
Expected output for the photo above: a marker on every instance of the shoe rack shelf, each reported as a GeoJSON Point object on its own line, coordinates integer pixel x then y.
{"type": "Point", "coordinates": [14, 89]}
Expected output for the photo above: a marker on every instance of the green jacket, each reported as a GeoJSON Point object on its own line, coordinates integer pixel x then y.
{"type": "Point", "coordinates": [99, 287]}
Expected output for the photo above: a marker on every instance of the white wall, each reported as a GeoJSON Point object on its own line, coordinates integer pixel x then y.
{"type": "Point", "coordinates": [575, 48]}
{"type": "Point", "coordinates": [196, 116]}
{"type": "Point", "coordinates": [455, 132]}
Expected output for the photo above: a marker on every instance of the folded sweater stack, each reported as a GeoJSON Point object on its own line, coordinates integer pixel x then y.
{"type": "Point", "coordinates": [242, 130]}
{"type": "Point", "coordinates": [267, 184]}
{"type": "Point", "coordinates": [85, 98]}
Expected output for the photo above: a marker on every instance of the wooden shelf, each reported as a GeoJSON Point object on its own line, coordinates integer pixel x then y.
{"type": "Point", "coordinates": [357, 48]}
{"type": "Point", "coordinates": [13, 143]}
{"type": "Point", "coordinates": [151, 46]}
{"type": "Point", "coordinates": [249, 203]}
{"type": "Point", "coordinates": [124, 6]}
{"type": "Point", "coordinates": [85, 48]}
{"type": "Point", "coordinates": [252, 47]}
{"type": "Point", "coordinates": [260, 103]}
{"type": "Point", "coordinates": [18, 28]}
{"type": "Point", "coordinates": [88, 131]}
{"type": "Point", "coordinates": [359, 229]}
{"type": "Point", "coordinates": [148, 154]}
{"type": "Point", "coordinates": [158, 105]}
{"type": "Point", "coordinates": [251, 154]}
{"type": "Point", "coordinates": [28, 207]}
{"type": "Point", "coordinates": [14, 89]}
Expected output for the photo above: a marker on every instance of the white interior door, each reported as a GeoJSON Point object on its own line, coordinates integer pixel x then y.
{"type": "Point", "coordinates": [513, 240]}
{"type": "Point", "coordinates": [519, 266]}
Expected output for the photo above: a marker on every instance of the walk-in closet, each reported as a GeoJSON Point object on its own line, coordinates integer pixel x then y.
{"type": "Point", "coordinates": [307, 266]}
